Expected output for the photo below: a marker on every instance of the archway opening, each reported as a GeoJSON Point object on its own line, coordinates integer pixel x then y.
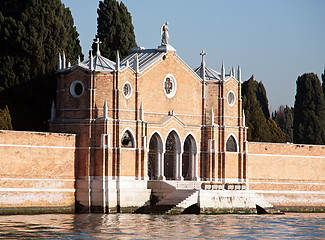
{"type": "Point", "coordinates": [172, 157]}
{"type": "Point", "coordinates": [188, 158]}
{"type": "Point", "coordinates": [155, 157]}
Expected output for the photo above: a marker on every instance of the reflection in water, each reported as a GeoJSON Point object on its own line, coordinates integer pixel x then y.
{"type": "Point", "coordinates": [137, 226]}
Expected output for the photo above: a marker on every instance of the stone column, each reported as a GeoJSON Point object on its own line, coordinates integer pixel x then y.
{"type": "Point", "coordinates": [180, 169]}
{"type": "Point", "coordinates": [162, 170]}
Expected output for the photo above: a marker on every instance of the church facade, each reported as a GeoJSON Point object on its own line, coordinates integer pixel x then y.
{"type": "Point", "coordinates": [149, 117]}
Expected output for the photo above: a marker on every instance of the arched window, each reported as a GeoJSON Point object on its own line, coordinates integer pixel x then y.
{"type": "Point", "coordinates": [127, 140]}
{"type": "Point", "coordinates": [231, 145]}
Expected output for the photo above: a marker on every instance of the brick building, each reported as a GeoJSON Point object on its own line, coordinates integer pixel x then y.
{"type": "Point", "coordinates": [149, 129]}
{"type": "Point", "coordinates": [149, 117]}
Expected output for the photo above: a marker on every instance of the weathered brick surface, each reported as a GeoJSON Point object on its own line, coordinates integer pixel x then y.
{"type": "Point", "coordinates": [37, 169]}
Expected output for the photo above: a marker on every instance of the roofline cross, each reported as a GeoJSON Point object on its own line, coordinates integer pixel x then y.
{"type": "Point", "coordinates": [203, 54]}
{"type": "Point", "coordinates": [98, 42]}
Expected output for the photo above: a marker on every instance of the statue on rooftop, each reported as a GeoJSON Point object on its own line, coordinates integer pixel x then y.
{"type": "Point", "coordinates": [164, 34]}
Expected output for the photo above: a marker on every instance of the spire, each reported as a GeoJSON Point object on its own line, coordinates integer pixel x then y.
{"type": "Point", "coordinates": [63, 61]}
{"type": "Point", "coordinates": [223, 72]}
{"type": "Point", "coordinates": [233, 72]}
{"type": "Point", "coordinates": [78, 60]}
{"type": "Point", "coordinates": [97, 43]}
{"type": "Point", "coordinates": [136, 63]}
{"type": "Point", "coordinates": [91, 61]}
{"type": "Point", "coordinates": [59, 62]}
{"type": "Point", "coordinates": [141, 112]}
{"type": "Point", "coordinates": [239, 73]}
{"type": "Point", "coordinates": [53, 112]}
{"type": "Point", "coordinates": [127, 63]}
{"type": "Point", "coordinates": [212, 116]}
{"type": "Point", "coordinates": [117, 66]}
{"type": "Point", "coordinates": [105, 112]}
{"type": "Point", "coordinates": [203, 64]}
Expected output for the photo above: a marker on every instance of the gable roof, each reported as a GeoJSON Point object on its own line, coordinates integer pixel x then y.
{"type": "Point", "coordinates": [100, 63]}
{"type": "Point", "coordinates": [146, 58]}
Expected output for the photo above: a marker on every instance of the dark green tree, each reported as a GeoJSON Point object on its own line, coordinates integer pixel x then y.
{"type": "Point", "coordinates": [309, 113]}
{"type": "Point", "coordinates": [32, 34]}
{"type": "Point", "coordinates": [5, 119]}
{"type": "Point", "coordinates": [323, 81]}
{"type": "Point", "coordinates": [114, 29]}
{"type": "Point", "coordinates": [284, 119]}
{"type": "Point", "coordinates": [260, 127]}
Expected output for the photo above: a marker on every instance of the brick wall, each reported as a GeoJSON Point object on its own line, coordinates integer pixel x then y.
{"type": "Point", "coordinates": [287, 174]}
{"type": "Point", "coordinates": [37, 170]}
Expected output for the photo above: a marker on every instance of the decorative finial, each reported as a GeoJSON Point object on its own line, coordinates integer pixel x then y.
{"type": "Point", "coordinates": [105, 112]}
{"type": "Point", "coordinates": [98, 42]}
{"type": "Point", "coordinates": [212, 116]}
{"type": "Point", "coordinates": [136, 63]}
{"type": "Point", "coordinates": [239, 73]}
{"type": "Point", "coordinates": [117, 65]}
{"type": "Point", "coordinates": [141, 112]}
{"type": "Point", "coordinates": [203, 64]}
{"type": "Point", "coordinates": [223, 72]}
{"type": "Point", "coordinates": [59, 62]}
{"type": "Point", "coordinates": [63, 60]}
{"type": "Point", "coordinates": [91, 61]}
{"type": "Point", "coordinates": [78, 60]}
{"type": "Point", "coordinates": [164, 34]}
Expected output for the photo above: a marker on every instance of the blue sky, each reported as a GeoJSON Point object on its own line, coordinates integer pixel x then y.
{"type": "Point", "coordinates": [276, 40]}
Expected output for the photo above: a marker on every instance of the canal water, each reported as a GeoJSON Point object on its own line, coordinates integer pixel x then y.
{"type": "Point", "coordinates": [138, 226]}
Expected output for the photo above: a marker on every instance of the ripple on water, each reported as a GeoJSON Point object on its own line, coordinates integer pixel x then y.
{"type": "Point", "coordinates": [141, 226]}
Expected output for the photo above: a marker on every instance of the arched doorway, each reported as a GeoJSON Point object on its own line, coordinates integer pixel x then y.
{"type": "Point", "coordinates": [172, 166]}
{"type": "Point", "coordinates": [155, 157]}
{"type": "Point", "coordinates": [189, 158]}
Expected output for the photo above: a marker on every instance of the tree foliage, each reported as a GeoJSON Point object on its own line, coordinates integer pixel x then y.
{"type": "Point", "coordinates": [255, 103]}
{"type": "Point", "coordinates": [32, 34]}
{"type": "Point", "coordinates": [284, 119]}
{"type": "Point", "coordinates": [114, 29]}
{"type": "Point", "coordinates": [5, 119]}
{"type": "Point", "coordinates": [309, 113]}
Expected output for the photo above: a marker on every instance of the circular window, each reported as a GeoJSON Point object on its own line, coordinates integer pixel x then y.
{"type": "Point", "coordinates": [127, 90]}
{"type": "Point", "coordinates": [170, 86]}
{"type": "Point", "coordinates": [231, 98]}
{"type": "Point", "coordinates": [77, 89]}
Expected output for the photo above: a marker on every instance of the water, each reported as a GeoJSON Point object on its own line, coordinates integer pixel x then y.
{"type": "Point", "coordinates": [134, 226]}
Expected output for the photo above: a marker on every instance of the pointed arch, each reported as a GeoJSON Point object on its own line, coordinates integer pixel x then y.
{"type": "Point", "coordinates": [155, 157]}
{"type": "Point", "coordinates": [189, 158]}
{"type": "Point", "coordinates": [128, 139]}
{"type": "Point", "coordinates": [231, 143]}
{"type": "Point", "coordinates": [172, 156]}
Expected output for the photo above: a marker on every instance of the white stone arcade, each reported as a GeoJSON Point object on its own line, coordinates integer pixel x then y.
{"type": "Point", "coordinates": [172, 160]}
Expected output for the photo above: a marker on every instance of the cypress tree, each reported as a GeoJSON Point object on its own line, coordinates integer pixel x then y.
{"type": "Point", "coordinates": [114, 29]}
{"type": "Point", "coordinates": [309, 113]}
{"type": "Point", "coordinates": [34, 32]}
{"type": "Point", "coordinates": [5, 119]}
{"type": "Point", "coordinates": [255, 103]}
{"type": "Point", "coordinates": [323, 81]}
{"type": "Point", "coordinates": [284, 119]}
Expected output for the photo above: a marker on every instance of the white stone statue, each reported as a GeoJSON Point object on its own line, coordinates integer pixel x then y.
{"type": "Point", "coordinates": [164, 34]}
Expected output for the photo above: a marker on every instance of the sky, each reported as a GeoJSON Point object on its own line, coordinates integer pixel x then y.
{"type": "Point", "coordinates": [276, 41]}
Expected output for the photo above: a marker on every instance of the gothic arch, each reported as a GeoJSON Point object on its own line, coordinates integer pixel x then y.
{"type": "Point", "coordinates": [231, 143]}
{"type": "Point", "coordinates": [172, 158]}
{"type": "Point", "coordinates": [155, 157]}
{"type": "Point", "coordinates": [189, 158]}
{"type": "Point", "coordinates": [128, 139]}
